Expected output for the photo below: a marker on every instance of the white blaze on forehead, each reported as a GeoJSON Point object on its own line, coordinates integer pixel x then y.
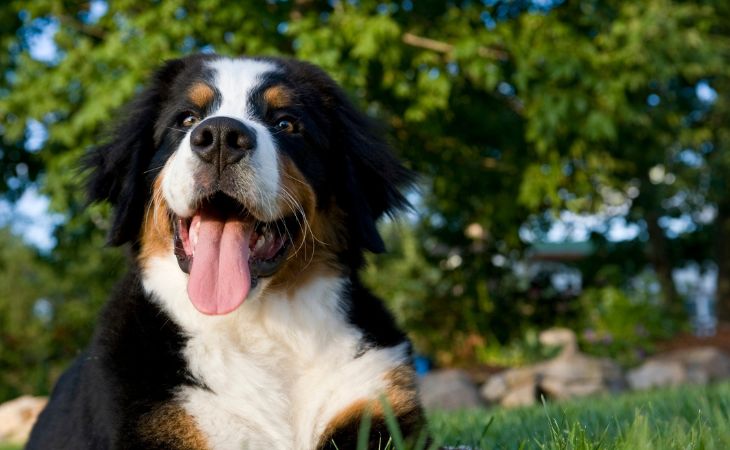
{"type": "Point", "coordinates": [236, 79]}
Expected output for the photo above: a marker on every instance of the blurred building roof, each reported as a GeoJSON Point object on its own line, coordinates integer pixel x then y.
{"type": "Point", "coordinates": [559, 251]}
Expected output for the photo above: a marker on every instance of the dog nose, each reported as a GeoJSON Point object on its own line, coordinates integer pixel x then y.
{"type": "Point", "coordinates": [222, 141]}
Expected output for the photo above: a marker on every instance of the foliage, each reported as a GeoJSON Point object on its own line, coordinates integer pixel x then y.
{"type": "Point", "coordinates": [448, 328]}
{"type": "Point", "coordinates": [512, 111]}
{"type": "Point", "coordinates": [518, 352]}
{"type": "Point", "coordinates": [623, 325]}
{"type": "Point", "coordinates": [25, 340]}
{"type": "Point", "coordinates": [42, 328]}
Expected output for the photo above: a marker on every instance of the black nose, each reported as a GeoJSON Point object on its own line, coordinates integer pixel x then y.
{"type": "Point", "coordinates": [222, 141]}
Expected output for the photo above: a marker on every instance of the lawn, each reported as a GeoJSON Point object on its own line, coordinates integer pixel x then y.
{"type": "Point", "coordinates": [685, 418]}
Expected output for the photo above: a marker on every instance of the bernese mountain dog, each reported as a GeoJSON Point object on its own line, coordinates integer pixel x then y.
{"type": "Point", "coordinates": [247, 190]}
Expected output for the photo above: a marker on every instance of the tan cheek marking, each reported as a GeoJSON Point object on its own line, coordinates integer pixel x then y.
{"type": "Point", "coordinates": [170, 426]}
{"type": "Point", "coordinates": [200, 94]}
{"type": "Point", "coordinates": [156, 228]}
{"type": "Point", "coordinates": [296, 191]}
{"type": "Point", "coordinates": [278, 97]}
{"type": "Point", "coordinates": [320, 235]}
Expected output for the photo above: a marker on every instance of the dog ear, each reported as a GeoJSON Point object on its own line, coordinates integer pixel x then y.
{"type": "Point", "coordinates": [118, 167]}
{"type": "Point", "coordinates": [375, 178]}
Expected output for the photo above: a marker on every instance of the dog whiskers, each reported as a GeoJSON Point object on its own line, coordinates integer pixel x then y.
{"type": "Point", "coordinates": [304, 226]}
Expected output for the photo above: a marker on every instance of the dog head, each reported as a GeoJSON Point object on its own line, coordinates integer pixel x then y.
{"type": "Point", "coordinates": [251, 171]}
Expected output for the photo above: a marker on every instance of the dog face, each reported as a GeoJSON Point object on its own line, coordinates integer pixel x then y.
{"type": "Point", "coordinates": [252, 172]}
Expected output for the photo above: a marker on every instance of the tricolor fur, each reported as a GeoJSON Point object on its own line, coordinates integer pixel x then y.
{"type": "Point", "coordinates": [248, 190]}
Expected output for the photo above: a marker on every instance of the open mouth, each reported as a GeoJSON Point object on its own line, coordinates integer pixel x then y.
{"type": "Point", "coordinates": [226, 250]}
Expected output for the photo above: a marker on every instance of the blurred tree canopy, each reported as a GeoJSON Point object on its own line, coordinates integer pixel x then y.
{"type": "Point", "coordinates": [512, 111]}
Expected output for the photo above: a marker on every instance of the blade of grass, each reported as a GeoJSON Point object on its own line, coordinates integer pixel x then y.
{"type": "Point", "coordinates": [392, 423]}
{"type": "Point", "coordinates": [363, 434]}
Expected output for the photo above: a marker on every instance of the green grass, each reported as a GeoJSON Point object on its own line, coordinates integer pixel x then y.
{"type": "Point", "coordinates": [9, 447]}
{"type": "Point", "coordinates": [685, 418]}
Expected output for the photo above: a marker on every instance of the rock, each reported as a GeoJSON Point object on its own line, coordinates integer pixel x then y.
{"type": "Point", "coordinates": [18, 416]}
{"type": "Point", "coordinates": [695, 365]}
{"type": "Point", "coordinates": [570, 374]}
{"type": "Point", "coordinates": [522, 395]}
{"type": "Point", "coordinates": [613, 376]}
{"type": "Point", "coordinates": [575, 368]}
{"type": "Point", "coordinates": [495, 388]}
{"type": "Point", "coordinates": [577, 375]}
{"type": "Point", "coordinates": [513, 387]}
{"type": "Point", "coordinates": [559, 389]}
{"type": "Point", "coordinates": [521, 375]}
{"type": "Point", "coordinates": [560, 337]}
{"type": "Point", "coordinates": [657, 373]}
{"type": "Point", "coordinates": [449, 389]}
{"type": "Point", "coordinates": [708, 363]}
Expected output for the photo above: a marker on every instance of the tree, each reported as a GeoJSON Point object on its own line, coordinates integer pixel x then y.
{"type": "Point", "coordinates": [508, 109]}
{"type": "Point", "coordinates": [614, 112]}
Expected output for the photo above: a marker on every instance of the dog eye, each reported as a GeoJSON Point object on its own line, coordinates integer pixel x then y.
{"type": "Point", "coordinates": [189, 120]}
{"type": "Point", "coordinates": [285, 125]}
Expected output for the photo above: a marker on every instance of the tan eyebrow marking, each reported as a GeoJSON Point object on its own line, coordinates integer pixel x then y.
{"type": "Point", "coordinates": [200, 94]}
{"type": "Point", "coordinates": [278, 96]}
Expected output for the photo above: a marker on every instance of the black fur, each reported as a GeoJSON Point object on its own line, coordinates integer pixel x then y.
{"type": "Point", "coordinates": [122, 170]}
{"type": "Point", "coordinates": [131, 366]}
{"type": "Point", "coordinates": [134, 362]}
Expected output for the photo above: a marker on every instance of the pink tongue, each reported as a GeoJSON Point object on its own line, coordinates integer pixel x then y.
{"type": "Point", "coordinates": [220, 278]}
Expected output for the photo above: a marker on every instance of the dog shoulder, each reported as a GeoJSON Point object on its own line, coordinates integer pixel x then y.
{"type": "Point", "coordinates": [248, 190]}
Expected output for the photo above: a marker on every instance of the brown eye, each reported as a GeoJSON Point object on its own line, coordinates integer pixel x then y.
{"type": "Point", "coordinates": [189, 120]}
{"type": "Point", "coordinates": [285, 125]}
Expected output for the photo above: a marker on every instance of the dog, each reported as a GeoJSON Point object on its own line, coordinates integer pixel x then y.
{"type": "Point", "coordinates": [248, 191]}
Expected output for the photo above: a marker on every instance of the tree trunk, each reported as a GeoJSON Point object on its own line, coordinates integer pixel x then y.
{"type": "Point", "coordinates": [722, 243]}
{"type": "Point", "coordinates": [661, 261]}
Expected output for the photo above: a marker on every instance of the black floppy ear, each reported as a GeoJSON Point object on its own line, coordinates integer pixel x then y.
{"type": "Point", "coordinates": [375, 178]}
{"type": "Point", "coordinates": [118, 167]}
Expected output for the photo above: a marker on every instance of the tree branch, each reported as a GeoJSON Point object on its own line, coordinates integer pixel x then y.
{"type": "Point", "coordinates": [446, 48]}
{"type": "Point", "coordinates": [82, 28]}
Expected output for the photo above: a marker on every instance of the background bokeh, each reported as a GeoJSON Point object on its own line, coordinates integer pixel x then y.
{"type": "Point", "coordinates": [573, 156]}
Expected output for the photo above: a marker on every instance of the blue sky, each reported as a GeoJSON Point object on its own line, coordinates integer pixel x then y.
{"type": "Point", "coordinates": [30, 219]}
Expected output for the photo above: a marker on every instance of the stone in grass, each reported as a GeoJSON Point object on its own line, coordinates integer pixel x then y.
{"type": "Point", "coordinates": [512, 387]}
{"type": "Point", "coordinates": [704, 364]}
{"type": "Point", "coordinates": [18, 416]}
{"type": "Point", "coordinates": [495, 388]}
{"type": "Point", "coordinates": [657, 373]}
{"type": "Point", "coordinates": [695, 365]}
{"type": "Point", "coordinates": [521, 395]}
{"type": "Point", "coordinates": [449, 389]}
{"type": "Point", "coordinates": [570, 374]}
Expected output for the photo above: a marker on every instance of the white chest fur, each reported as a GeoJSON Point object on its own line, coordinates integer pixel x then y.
{"type": "Point", "coordinates": [278, 369]}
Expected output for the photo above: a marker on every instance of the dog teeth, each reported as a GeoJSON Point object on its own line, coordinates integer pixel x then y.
{"type": "Point", "coordinates": [260, 243]}
{"type": "Point", "coordinates": [194, 234]}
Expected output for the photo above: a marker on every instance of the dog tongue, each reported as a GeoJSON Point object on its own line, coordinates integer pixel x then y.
{"type": "Point", "coordinates": [219, 277]}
